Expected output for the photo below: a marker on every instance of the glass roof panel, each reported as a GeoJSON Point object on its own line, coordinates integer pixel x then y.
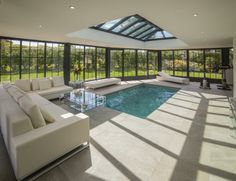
{"type": "Point", "coordinates": [157, 35]}
{"type": "Point", "coordinates": [135, 27]}
{"type": "Point", "coordinates": [109, 24]}
{"type": "Point", "coordinates": [125, 24]}
{"type": "Point", "coordinates": [132, 28]}
{"type": "Point", "coordinates": [140, 30]}
{"type": "Point", "coordinates": [146, 32]}
{"type": "Point", "coordinates": [167, 34]}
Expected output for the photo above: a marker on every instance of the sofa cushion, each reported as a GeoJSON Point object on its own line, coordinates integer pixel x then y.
{"type": "Point", "coordinates": [35, 84]}
{"type": "Point", "coordinates": [44, 84]}
{"type": "Point", "coordinates": [11, 90]}
{"type": "Point", "coordinates": [6, 85]}
{"type": "Point", "coordinates": [14, 121]}
{"type": "Point", "coordinates": [39, 100]}
{"type": "Point", "coordinates": [23, 84]}
{"type": "Point", "coordinates": [55, 90]}
{"type": "Point", "coordinates": [33, 111]}
{"type": "Point", "coordinates": [58, 81]}
{"type": "Point", "coordinates": [17, 95]}
{"type": "Point", "coordinates": [46, 115]}
{"type": "Point", "coordinates": [4, 94]}
{"type": "Point", "coordinates": [56, 112]}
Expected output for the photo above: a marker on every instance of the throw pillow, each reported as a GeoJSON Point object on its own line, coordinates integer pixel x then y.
{"type": "Point", "coordinates": [33, 111]}
{"type": "Point", "coordinates": [47, 116]}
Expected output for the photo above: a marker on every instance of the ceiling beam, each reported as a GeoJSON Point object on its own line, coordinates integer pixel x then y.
{"type": "Point", "coordinates": [99, 26]}
{"type": "Point", "coordinates": [163, 34]}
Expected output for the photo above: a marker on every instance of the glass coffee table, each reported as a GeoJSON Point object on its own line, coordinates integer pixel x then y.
{"type": "Point", "coordinates": [83, 100]}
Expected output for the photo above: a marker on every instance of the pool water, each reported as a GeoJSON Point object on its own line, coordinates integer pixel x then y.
{"type": "Point", "coordinates": [139, 100]}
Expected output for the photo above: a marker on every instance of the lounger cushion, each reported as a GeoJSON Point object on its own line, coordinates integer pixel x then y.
{"type": "Point", "coordinates": [102, 83]}
{"type": "Point", "coordinates": [169, 78]}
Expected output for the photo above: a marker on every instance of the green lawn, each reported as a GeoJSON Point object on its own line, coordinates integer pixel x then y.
{"type": "Point", "coordinates": [195, 74]}
{"type": "Point", "coordinates": [91, 75]}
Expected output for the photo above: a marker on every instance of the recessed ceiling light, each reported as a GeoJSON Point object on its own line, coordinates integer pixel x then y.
{"type": "Point", "coordinates": [72, 7]}
{"type": "Point", "coordinates": [40, 26]}
{"type": "Point", "coordinates": [195, 14]}
{"type": "Point", "coordinates": [202, 32]}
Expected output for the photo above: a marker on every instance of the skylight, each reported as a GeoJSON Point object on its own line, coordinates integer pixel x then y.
{"type": "Point", "coordinates": [135, 27]}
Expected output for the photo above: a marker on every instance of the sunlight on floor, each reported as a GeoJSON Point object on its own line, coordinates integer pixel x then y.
{"type": "Point", "coordinates": [187, 135]}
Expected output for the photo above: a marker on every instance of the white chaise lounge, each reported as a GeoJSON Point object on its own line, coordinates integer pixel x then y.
{"type": "Point", "coordinates": [101, 83]}
{"type": "Point", "coordinates": [166, 77]}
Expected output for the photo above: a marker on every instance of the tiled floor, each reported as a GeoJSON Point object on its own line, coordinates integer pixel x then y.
{"type": "Point", "coordinates": [188, 138]}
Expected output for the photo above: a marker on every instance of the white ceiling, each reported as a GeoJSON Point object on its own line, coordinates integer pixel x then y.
{"type": "Point", "coordinates": [215, 25]}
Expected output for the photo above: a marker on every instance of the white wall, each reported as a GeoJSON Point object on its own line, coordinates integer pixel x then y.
{"type": "Point", "coordinates": [88, 36]}
{"type": "Point", "coordinates": [99, 38]}
{"type": "Point", "coordinates": [234, 65]}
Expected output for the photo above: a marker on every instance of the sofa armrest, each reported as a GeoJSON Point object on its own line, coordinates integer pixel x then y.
{"type": "Point", "coordinates": [35, 149]}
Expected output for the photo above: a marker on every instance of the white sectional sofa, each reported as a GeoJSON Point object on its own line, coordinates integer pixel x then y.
{"type": "Point", "coordinates": [101, 83]}
{"type": "Point", "coordinates": [49, 88]}
{"type": "Point", "coordinates": [166, 77]}
{"type": "Point", "coordinates": [36, 131]}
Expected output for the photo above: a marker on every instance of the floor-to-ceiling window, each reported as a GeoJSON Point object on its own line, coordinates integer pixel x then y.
{"type": "Point", "coordinates": [60, 60]}
{"type": "Point", "coordinates": [90, 63]}
{"type": "Point", "coordinates": [5, 60]}
{"type": "Point", "coordinates": [10, 60]}
{"type": "Point", "coordinates": [152, 62]}
{"type": "Point", "coordinates": [213, 62]}
{"type": "Point", "coordinates": [41, 59]}
{"type": "Point", "coordinates": [142, 62]}
{"type": "Point", "coordinates": [33, 60]}
{"type": "Point", "coordinates": [77, 62]}
{"type": "Point", "coordinates": [28, 59]}
{"type": "Point", "coordinates": [101, 63]}
{"type": "Point", "coordinates": [115, 63]}
{"type": "Point", "coordinates": [180, 63]}
{"type": "Point", "coordinates": [196, 63]}
{"type": "Point", "coordinates": [54, 59]}
{"type": "Point", "coordinates": [15, 60]}
{"type": "Point", "coordinates": [129, 63]}
{"type": "Point", "coordinates": [167, 62]}
{"type": "Point", "coordinates": [25, 66]}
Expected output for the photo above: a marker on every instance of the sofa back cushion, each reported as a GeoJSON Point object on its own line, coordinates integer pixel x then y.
{"type": "Point", "coordinates": [33, 111]}
{"type": "Point", "coordinates": [35, 84]}
{"type": "Point", "coordinates": [14, 121]}
{"type": "Point", "coordinates": [25, 85]}
{"type": "Point", "coordinates": [45, 84]}
{"type": "Point", "coordinates": [17, 95]}
{"type": "Point", "coordinates": [6, 85]}
{"type": "Point", "coordinates": [58, 81]}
